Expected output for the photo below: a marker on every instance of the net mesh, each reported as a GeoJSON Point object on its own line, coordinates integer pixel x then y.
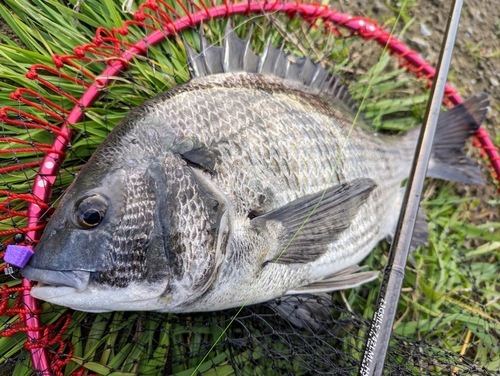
{"type": "Point", "coordinates": [110, 62]}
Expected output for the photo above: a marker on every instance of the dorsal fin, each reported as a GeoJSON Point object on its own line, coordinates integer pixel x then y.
{"type": "Point", "coordinates": [236, 55]}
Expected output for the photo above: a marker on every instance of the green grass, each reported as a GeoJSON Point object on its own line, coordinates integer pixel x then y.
{"type": "Point", "coordinates": [450, 292]}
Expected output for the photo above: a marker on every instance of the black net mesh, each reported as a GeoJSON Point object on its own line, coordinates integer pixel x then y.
{"type": "Point", "coordinates": [448, 319]}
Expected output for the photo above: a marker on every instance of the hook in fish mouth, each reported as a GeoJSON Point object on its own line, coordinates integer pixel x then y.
{"type": "Point", "coordinates": [76, 279]}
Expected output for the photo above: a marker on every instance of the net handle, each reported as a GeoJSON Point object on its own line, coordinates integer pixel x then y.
{"type": "Point", "coordinates": [366, 28]}
{"type": "Point", "coordinates": [380, 332]}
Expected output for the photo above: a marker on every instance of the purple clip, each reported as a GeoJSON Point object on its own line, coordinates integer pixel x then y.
{"type": "Point", "coordinates": [17, 255]}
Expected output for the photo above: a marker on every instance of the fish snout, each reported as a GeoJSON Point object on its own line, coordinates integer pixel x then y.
{"type": "Point", "coordinates": [77, 279]}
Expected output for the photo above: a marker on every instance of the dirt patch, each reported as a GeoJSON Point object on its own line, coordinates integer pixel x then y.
{"type": "Point", "coordinates": [7, 31]}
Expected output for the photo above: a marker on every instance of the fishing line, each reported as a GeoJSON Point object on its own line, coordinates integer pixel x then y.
{"type": "Point", "coordinates": [337, 162]}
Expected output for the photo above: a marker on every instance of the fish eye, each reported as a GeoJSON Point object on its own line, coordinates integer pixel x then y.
{"type": "Point", "coordinates": [90, 211]}
{"type": "Point", "coordinates": [92, 217]}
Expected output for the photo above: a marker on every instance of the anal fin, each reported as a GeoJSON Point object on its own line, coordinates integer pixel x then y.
{"type": "Point", "coordinates": [347, 278]}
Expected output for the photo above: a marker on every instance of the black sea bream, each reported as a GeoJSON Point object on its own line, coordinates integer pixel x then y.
{"type": "Point", "coordinates": [247, 183]}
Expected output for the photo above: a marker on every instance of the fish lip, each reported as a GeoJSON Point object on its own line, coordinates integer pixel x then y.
{"type": "Point", "coordinates": [77, 279]}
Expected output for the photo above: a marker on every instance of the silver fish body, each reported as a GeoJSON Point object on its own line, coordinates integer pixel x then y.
{"type": "Point", "coordinates": [234, 188]}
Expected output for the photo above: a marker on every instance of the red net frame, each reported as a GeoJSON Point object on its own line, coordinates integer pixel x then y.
{"type": "Point", "coordinates": [109, 44]}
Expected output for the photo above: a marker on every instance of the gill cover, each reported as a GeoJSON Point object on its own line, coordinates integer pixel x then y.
{"type": "Point", "coordinates": [195, 224]}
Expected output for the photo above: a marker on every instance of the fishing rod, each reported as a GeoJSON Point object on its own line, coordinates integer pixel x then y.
{"type": "Point", "coordinates": [380, 331]}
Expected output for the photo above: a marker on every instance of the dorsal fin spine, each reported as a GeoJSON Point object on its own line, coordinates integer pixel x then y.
{"type": "Point", "coordinates": [202, 57]}
{"type": "Point", "coordinates": [248, 50]}
{"type": "Point", "coordinates": [334, 88]}
{"type": "Point", "coordinates": [287, 67]}
{"type": "Point", "coordinates": [226, 57]}
{"type": "Point", "coordinates": [192, 60]}
{"type": "Point", "coordinates": [315, 75]}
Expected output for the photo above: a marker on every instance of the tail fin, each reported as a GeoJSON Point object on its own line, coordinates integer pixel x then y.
{"type": "Point", "coordinates": [448, 160]}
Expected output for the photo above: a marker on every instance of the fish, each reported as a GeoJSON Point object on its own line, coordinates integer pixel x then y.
{"type": "Point", "coordinates": [252, 181]}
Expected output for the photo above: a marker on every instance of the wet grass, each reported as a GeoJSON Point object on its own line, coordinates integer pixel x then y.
{"type": "Point", "coordinates": [450, 297]}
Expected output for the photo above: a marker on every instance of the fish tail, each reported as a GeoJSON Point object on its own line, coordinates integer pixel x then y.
{"type": "Point", "coordinates": [448, 159]}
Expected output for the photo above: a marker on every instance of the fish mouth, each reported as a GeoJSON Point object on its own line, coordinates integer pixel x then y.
{"type": "Point", "coordinates": [76, 279]}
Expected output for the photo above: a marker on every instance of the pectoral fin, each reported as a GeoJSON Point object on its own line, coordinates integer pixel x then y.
{"type": "Point", "coordinates": [345, 279]}
{"type": "Point", "coordinates": [305, 227]}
